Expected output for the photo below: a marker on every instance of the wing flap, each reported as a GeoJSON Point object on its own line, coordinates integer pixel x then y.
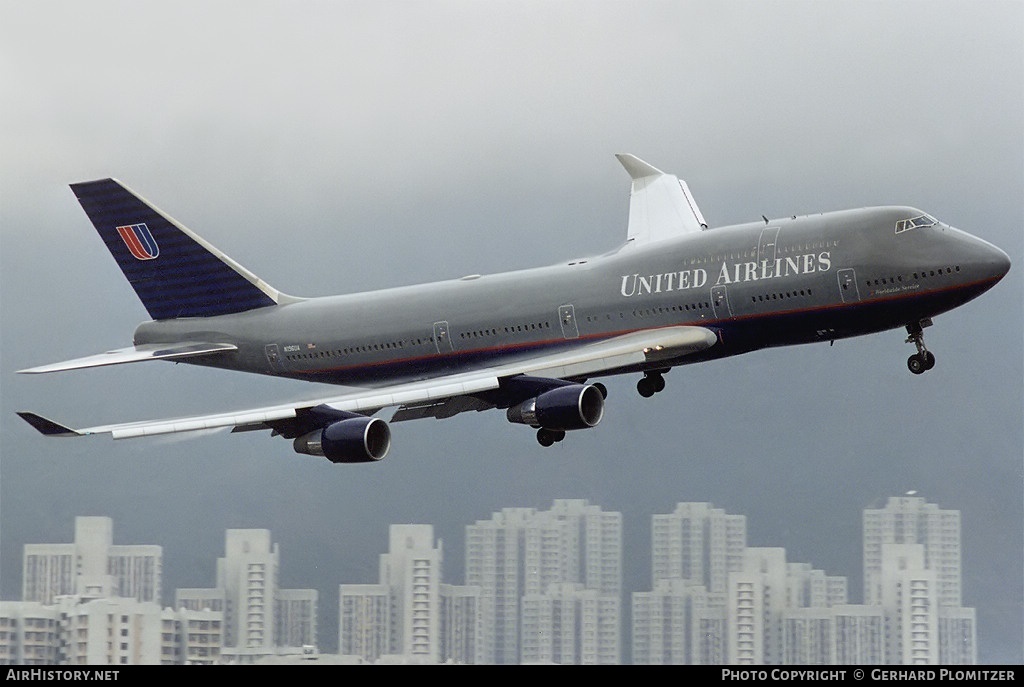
{"type": "Point", "coordinates": [449, 407]}
{"type": "Point", "coordinates": [622, 351]}
{"type": "Point", "coordinates": [135, 354]}
{"type": "Point", "coordinates": [417, 392]}
{"type": "Point", "coordinates": [206, 422]}
{"type": "Point", "coordinates": [646, 346]}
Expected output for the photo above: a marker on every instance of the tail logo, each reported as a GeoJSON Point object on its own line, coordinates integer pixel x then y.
{"type": "Point", "coordinates": [139, 241]}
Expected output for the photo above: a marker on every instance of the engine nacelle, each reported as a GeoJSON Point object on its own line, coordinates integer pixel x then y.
{"type": "Point", "coordinates": [354, 440]}
{"type": "Point", "coordinates": [575, 406]}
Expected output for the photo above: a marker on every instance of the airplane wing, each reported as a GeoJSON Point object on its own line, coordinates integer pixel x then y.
{"type": "Point", "coordinates": [587, 359]}
{"type": "Point", "coordinates": [134, 354]}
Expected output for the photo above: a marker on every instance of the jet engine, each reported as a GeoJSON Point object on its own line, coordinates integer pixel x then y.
{"type": "Point", "coordinates": [574, 406]}
{"type": "Point", "coordinates": [358, 439]}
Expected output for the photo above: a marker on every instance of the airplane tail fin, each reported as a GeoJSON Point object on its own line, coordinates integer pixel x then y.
{"type": "Point", "coordinates": [174, 272]}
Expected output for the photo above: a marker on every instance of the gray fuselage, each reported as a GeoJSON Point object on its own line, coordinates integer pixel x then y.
{"type": "Point", "coordinates": [799, 280]}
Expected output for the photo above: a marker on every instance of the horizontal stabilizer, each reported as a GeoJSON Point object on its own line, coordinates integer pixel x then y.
{"type": "Point", "coordinates": [660, 205]}
{"type": "Point", "coordinates": [136, 354]}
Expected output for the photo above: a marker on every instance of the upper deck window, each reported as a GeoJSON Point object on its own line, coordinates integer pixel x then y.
{"type": "Point", "coordinates": [915, 223]}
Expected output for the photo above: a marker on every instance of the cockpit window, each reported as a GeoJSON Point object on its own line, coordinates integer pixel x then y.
{"type": "Point", "coordinates": [915, 223]}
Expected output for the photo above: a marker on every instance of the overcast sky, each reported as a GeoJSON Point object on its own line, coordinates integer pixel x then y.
{"type": "Point", "coordinates": [334, 147]}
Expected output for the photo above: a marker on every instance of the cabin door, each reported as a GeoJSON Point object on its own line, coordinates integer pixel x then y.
{"type": "Point", "coordinates": [848, 285]}
{"type": "Point", "coordinates": [567, 318]}
{"type": "Point", "coordinates": [273, 357]}
{"type": "Point", "coordinates": [766, 246]}
{"type": "Point", "coordinates": [720, 302]}
{"type": "Point", "coordinates": [442, 337]}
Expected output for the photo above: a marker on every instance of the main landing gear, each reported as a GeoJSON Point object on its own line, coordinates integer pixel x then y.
{"type": "Point", "coordinates": [651, 383]}
{"type": "Point", "coordinates": [547, 437]}
{"type": "Point", "coordinates": [923, 360]}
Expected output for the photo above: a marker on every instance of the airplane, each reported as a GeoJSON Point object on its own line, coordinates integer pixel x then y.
{"type": "Point", "coordinates": [529, 342]}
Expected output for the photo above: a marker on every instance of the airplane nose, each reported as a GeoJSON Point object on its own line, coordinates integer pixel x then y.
{"type": "Point", "coordinates": [985, 260]}
{"type": "Point", "coordinates": [997, 262]}
{"type": "Point", "coordinates": [983, 263]}
{"type": "Point", "coordinates": [994, 262]}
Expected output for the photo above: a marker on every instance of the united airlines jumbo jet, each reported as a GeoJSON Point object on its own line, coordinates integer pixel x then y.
{"type": "Point", "coordinates": [528, 342]}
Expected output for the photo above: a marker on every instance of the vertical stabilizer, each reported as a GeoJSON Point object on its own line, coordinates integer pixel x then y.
{"type": "Point", "coordinates": [660, 205]}
{"type": "Point", "coordinates": [174, 272]}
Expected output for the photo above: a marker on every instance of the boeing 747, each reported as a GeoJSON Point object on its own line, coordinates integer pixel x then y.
{"type": "Point", "coordinates": [529, 342]}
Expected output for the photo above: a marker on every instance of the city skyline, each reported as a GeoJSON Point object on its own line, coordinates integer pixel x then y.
{"type": "Point", "coordinates": [728, 529]}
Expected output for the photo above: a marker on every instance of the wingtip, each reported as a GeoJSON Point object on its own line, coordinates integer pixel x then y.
{"type": "Point", "coordinates": [46, 427]}
{"type": "Point", "coordinates": [637, 168]}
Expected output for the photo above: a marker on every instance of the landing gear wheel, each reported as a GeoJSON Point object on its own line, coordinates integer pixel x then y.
{"type": "Point", "coordinates": [923, 360]}
{"type": "Point", "coordinates": [650, 384]}
{"type": "Point", "coordinates": [916, 364]}
{"type": "Point", "coordinates": [547, 437]}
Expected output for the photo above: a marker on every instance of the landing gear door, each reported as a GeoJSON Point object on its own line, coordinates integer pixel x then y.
{"type": "Point", "coordinates": [442, 337]}
{"type": "Point", "coordinates": [848, 285]}
{"type": "Point", "coordinates": [567, 318]}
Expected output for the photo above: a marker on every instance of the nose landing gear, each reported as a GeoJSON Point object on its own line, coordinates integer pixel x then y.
{"type": "Point", "coordinates": [923, 360]}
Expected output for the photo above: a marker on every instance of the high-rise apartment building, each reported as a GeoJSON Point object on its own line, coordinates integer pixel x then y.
{"type": "Point", "coordinates": [200, 599]}
{"type": "Point", "coordinates": [364, 624]}
{"type": "Point", "coordinates": [92, 566]}
{"type": "Point", "coordinates": [248, 575]}
{"type": "Point", "coordinates": [461, 624]}
{"type": "Point", "coordinates": [411, 570]}
{"type": "Point", "coordinates": [79, 630]}
{"type": "Point", "coordinates": [570, 625]}
{"type": "Point", "coordinates": [684, 619]}
{"type": "Point", "coordinates": [910, 601]}
{"type": "Point", "coordinates": [858, 635]}
{"type": "Point", "coordinates": [523, 552]}
{"type": "Point", "coordinates": [678, 623]}
{"type": "Point", "coordinates": [295, 617]}
{"type": "Point", "coordinates": [912, 571]}
{"type": "Point", "coordinates": [715, 600]}
{"type": "Point", "coordinates": [30, 633]}
{"type": "Point", "coordinates": [779, 610]}
{"type": "Point", "coordinates": [807, 636]}
{"type": "Point", "coordinates": [493, 560]}
{"type": "Point", "coordinates": [698, 543]}
{"type": "Point", "coordinates": [958, 636]}
{"type": "Point", "coordinates": [113, 631]}
{"type": "Point", "coordinates": [912, 520]}
{"type": "Point", "coordinates": [410, 615]}
{"type": "Point", "coordinates": [259, 616]}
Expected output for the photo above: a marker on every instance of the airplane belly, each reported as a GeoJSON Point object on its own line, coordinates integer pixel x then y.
{"type": "Point", "coordinates": [838, 320]}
